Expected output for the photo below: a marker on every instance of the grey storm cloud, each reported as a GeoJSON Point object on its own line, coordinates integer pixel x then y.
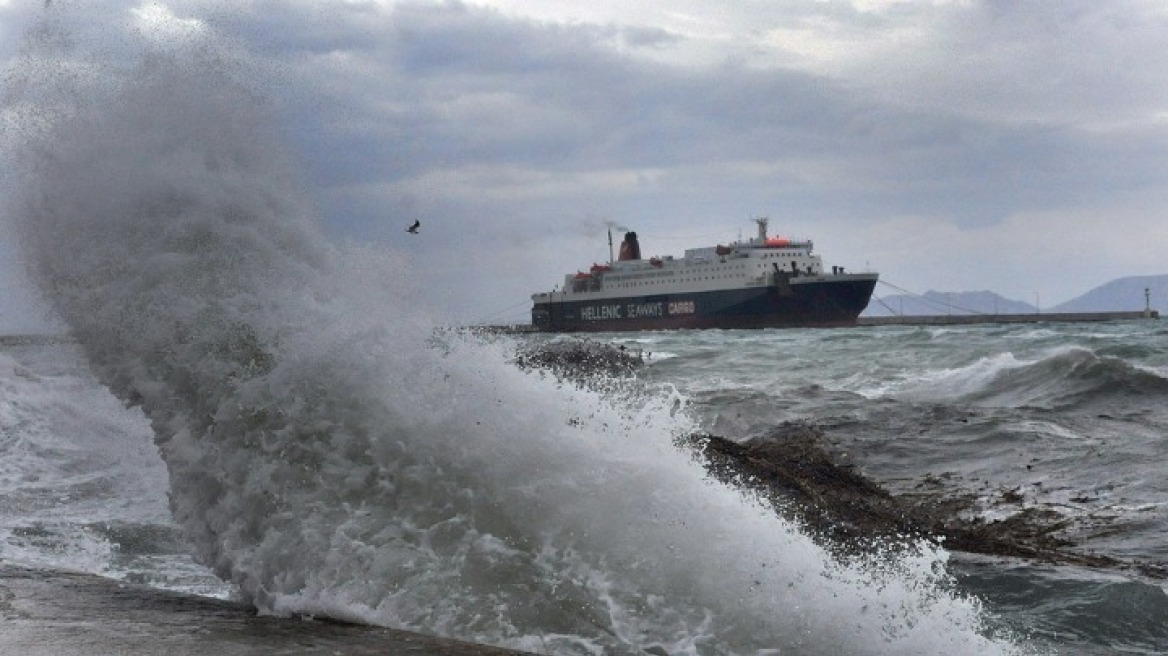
{"type": "Point", "coordinates": [440, 85]}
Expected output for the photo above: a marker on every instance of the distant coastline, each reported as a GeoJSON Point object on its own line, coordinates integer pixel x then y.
{"type": "Point", "coordinates": [1128, 294]}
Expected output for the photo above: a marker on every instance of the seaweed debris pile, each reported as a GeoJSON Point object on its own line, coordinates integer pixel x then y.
{"type": "Point", "coordinates": [580, 358]}
{"type": "Point", "coordinates": [809, 482]}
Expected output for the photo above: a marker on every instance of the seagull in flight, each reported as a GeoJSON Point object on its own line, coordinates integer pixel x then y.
{"type": "Point", "coordinates": [413, 230]}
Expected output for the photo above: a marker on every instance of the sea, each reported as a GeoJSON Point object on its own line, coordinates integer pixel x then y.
{"type": "Point", "coordinates": [519, 509]}
{"type": "Point", "coordinates": [244, 406]}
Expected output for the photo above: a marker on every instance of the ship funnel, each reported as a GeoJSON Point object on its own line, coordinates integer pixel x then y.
{"type": "Point", "coordinates": [630, 249]}
{"type": "Point", "coordinates": [762, 228]}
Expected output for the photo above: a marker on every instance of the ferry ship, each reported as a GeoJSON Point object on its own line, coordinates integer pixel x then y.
{"type": "Point", "coordinates": [764, 282]}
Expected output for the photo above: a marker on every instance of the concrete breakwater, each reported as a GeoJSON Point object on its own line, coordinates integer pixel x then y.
{"type": "Point", "coordinates": [968, 319]}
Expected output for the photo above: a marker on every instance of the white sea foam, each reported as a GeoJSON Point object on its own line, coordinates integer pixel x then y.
{"type": "Point", "coordinates": [330, 455]}
{"type": "Point", "coordinates": [82, 487]}
{"type": "Point", "coordinates": [947, 383]}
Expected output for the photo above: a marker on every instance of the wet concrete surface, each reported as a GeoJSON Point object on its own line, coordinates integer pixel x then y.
{"type": "Point", "coordinates": [53, 613]}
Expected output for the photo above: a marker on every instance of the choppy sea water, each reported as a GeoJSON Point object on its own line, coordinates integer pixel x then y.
{"type": "Point", "coordinates": [1065, 417]}
{"type": "Point", "coordinates": [1068, 416]}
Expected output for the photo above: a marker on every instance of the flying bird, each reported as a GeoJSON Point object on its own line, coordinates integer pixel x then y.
{"type": "Point", "coordinates": [413, 230]}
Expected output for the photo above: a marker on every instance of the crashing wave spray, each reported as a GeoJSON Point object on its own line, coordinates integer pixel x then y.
{"type": "Point", "coordinates": [329, 458]}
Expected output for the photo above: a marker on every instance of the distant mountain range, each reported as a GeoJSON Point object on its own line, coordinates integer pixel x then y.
{"type": "Point", "coordinates": [1123, 294]}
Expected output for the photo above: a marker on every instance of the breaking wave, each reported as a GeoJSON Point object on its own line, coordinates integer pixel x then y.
{"type": "Point", "coordinates": [328, 458]}
{"type": "Point", "coordinates": [1062, 378]}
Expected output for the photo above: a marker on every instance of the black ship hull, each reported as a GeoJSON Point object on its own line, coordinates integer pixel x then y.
{"type": "Point", "coordinates": [829, 302]}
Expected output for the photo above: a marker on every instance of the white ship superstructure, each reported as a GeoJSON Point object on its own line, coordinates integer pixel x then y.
{"type": "Point", "coordinates": [742, 264]}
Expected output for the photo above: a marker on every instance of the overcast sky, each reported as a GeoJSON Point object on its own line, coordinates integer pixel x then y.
{"type": "Point", "coordinates": [1020, 147]}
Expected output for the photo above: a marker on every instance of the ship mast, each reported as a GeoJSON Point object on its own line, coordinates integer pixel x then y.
{"type": "Point", "coordinates": [611, 225]}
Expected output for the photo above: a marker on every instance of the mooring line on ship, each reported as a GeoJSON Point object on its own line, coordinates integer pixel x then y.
{"type": "Point", "coordinates": [505, 310]}
{"type": "Point", "coordinates": [925, 299]}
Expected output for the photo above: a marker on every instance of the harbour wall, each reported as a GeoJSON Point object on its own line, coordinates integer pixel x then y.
{"type": "Point", "coordinates": [968, 319]}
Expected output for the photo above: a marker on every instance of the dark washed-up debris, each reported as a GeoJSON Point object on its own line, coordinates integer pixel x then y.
{"type": "Point", "coordinates": [806, 481]}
